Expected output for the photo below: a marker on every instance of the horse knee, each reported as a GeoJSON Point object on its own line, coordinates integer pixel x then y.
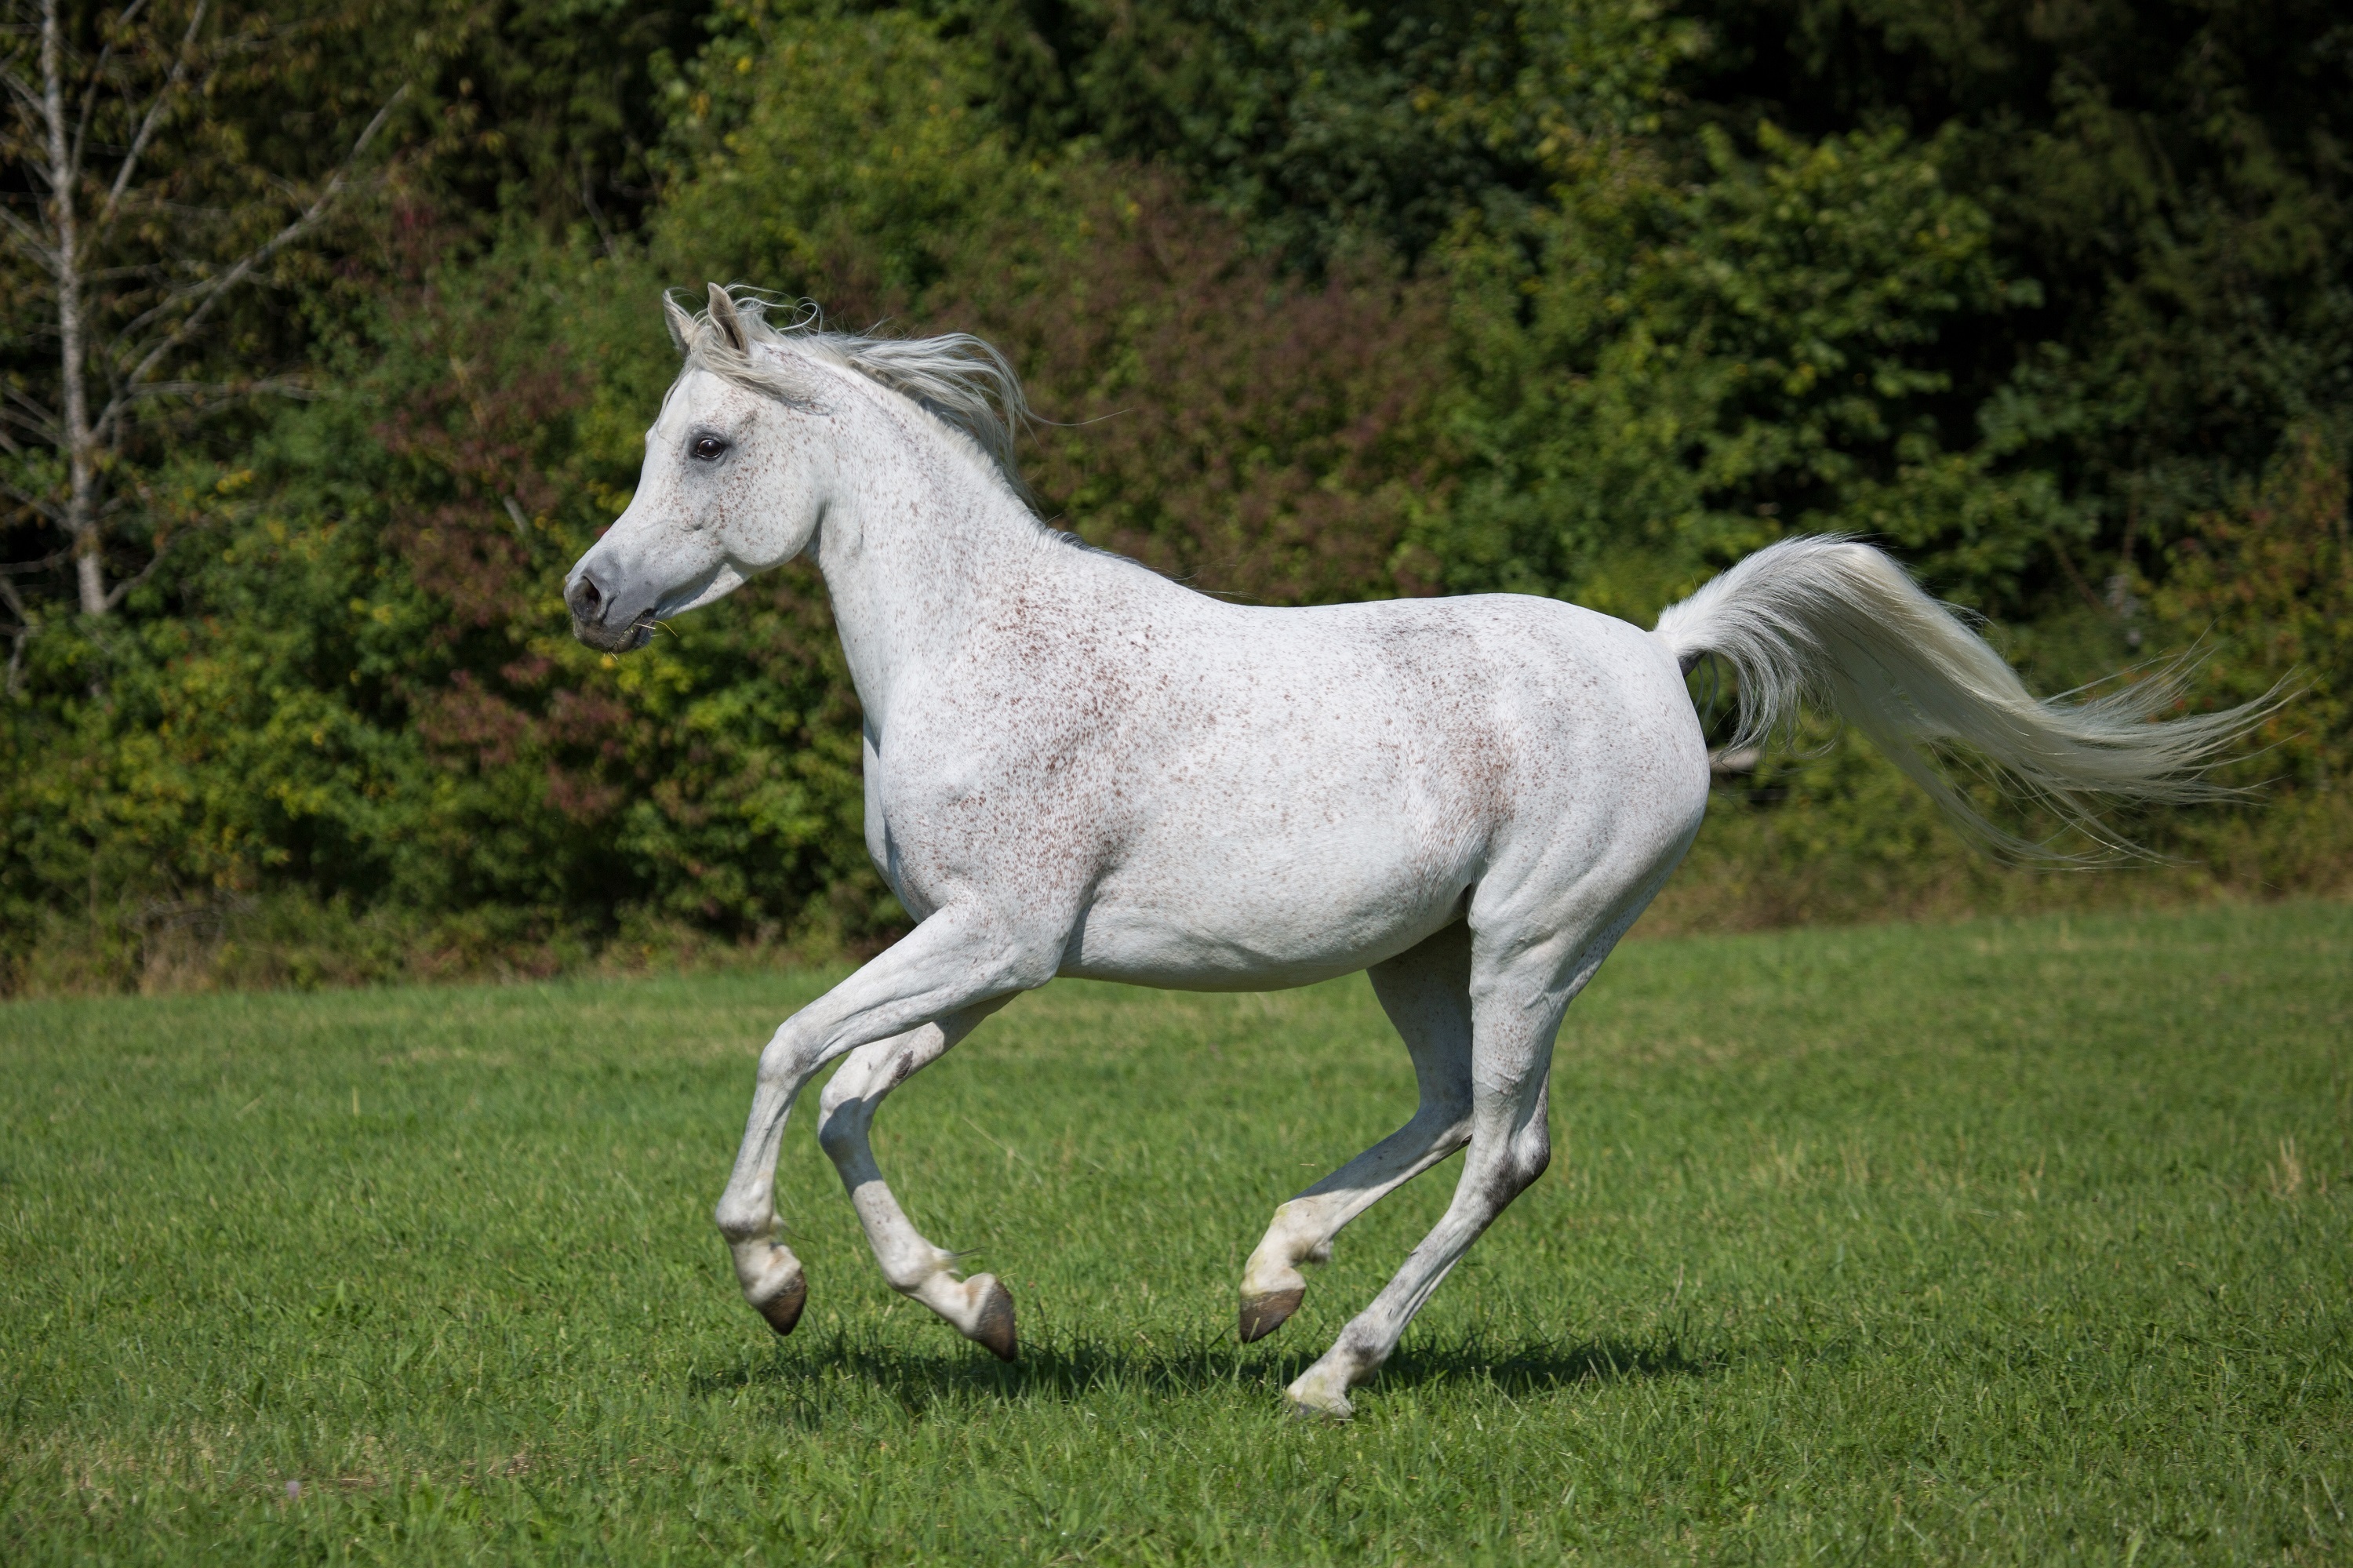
{"type": "Point", "coordinates": [739, 1219]}
{"type": "Point", "coordinates": [783, 1063]}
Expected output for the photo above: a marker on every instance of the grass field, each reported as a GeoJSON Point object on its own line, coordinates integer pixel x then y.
{"type": "Point", "coordinates": [2022, 1242]}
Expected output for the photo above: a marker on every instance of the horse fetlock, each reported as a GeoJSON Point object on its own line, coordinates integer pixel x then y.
{"type": "Point", "coordinates": [742, 1220]}
{"type": "Point", "coordinates": [921, 1276]}
{"type": "Point", "coordinates": [1323, 1389]}
{"type": "Point", "coordinates": [1321, 1393]}
{"type": "Point", "coordinates": [1297, 1235]}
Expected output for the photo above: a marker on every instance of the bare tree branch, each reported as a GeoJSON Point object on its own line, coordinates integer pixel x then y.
{"type": "Point", "coordinates": [119, 274]}
{"type": "Point", "coordinates": [32, 502]}
{"type": "Point", "coordinates": [32, 405]}
{"type": "Point", "coordinates": [163, 96]}
{"type": "Point", "coordinates": [115, 595]}
{"type": "Point", "coordinates": [267, 387]}
{"type": "Point", "coordinates": [18, 635]}
{"type": "Point", "coordinates": [123, 102]}
{"type": "Point", "coordinates": [30, 100]}
{"type": "Point", "coordinates": [31, 238]}
{"type": "Point", "coordinates": [32, 419]}
{"type": "Point", "coordinates": [219, 286]}
{"type": "Point", "coordinates": [81, 454]}
{"type": "Point", "coordinates": [26, 569]}
{"type": "Point", "coordinates": [97, 81]}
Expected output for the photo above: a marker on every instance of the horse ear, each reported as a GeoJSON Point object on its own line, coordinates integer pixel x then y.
{"type": "Point", "coordinates": [724, 317]}
{"type": "Point", "coordinates": [681, 325]}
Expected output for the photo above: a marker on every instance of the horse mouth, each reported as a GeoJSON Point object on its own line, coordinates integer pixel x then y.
{"type": "Point", "coordinates": [616, 638]}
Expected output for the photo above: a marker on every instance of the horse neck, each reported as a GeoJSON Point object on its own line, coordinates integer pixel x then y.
{"type": "Point", "coordinates": [918, 540]}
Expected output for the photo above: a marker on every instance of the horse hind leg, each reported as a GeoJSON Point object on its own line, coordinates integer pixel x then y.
{"type": "Point", "coordinates": [1509, 1149]}
{"type": "Point", "coordinates": [1517, 998]}
{"type": "Point", "coordinates": [1425, 993]}
{"type": "Point", "coordinates": [980, 1308]}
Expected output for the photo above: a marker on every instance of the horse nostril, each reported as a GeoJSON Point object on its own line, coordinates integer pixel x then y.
{"type": "Point", "coordinates": [586, 598]}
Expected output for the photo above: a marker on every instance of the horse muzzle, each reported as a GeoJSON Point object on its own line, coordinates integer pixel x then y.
{"type": "Point", "coordinates": [602, 621]}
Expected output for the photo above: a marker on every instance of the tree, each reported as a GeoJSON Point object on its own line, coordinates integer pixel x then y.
{"type": "Point", "coordinates": [131, 215]}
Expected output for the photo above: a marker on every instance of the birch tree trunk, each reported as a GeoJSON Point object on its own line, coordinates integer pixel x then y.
{"type": "Point", "coordinates": [81, 500]}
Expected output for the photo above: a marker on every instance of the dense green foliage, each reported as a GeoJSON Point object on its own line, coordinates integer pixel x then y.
{"type": "Point", "coordinates": [1560, 297]}
{"type": "Point", "coordinates": [2013, 1241]}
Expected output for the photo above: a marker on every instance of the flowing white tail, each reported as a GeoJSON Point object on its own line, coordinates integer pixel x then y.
{"type": "Point", "coordinates": [1831, 619]}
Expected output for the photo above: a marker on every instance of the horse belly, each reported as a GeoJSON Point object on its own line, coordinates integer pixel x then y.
{"type": "Point", "coordinates": [1224, 916]}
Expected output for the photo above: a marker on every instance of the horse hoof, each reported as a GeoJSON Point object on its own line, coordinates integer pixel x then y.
{"type": "Point", "coordinates": [1262, 1315]}
{"type": "Point", "coordinates": [993, 1328]}
{"type": "Point", "coordinates": [782, 1310]}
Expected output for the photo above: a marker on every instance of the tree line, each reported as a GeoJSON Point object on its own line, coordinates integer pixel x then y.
{"type": "Point", "coordinates": [331, 332]}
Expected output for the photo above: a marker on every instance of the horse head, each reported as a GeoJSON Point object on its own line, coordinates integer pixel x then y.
{"type": "Point", "coordinates": [742, 464]}
{"type": "Point", "coordinates": [732, 484]}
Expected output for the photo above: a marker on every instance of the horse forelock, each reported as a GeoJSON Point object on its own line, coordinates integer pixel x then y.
{"type": "Point", "coordinates": [962, 380]}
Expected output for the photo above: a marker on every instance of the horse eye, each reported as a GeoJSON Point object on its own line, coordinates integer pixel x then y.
{"type": "Point", "coordinates": [708, 447]}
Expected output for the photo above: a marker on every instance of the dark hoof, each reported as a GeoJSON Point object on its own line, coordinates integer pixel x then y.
{"type": "Point", "coordinates": [1262, 1315]}
{"type": "Point", "coordinates": [995, 1328]}
{"type": "Point", "coordinates": [782, 1310]}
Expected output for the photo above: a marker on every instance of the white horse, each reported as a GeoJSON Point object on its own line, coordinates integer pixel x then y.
{"type": "Point", "coordinates": [1076, 766]}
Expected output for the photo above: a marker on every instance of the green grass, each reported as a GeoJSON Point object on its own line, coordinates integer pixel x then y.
{"type": "Point", "coordinates": [2006, 1242]}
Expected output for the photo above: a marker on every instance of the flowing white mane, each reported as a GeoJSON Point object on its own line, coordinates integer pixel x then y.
{"type": "Point", "coordinates": [961, 379]}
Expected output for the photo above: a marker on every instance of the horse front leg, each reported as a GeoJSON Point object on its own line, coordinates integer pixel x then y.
{"type": "Point", "coordinates": [958, 959]}
{"type": "Point", "coordinates": [980, 1308]}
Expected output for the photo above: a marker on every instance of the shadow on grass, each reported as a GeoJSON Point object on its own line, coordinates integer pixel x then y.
{"type": "Point", "coordinates": [917, 1377]}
